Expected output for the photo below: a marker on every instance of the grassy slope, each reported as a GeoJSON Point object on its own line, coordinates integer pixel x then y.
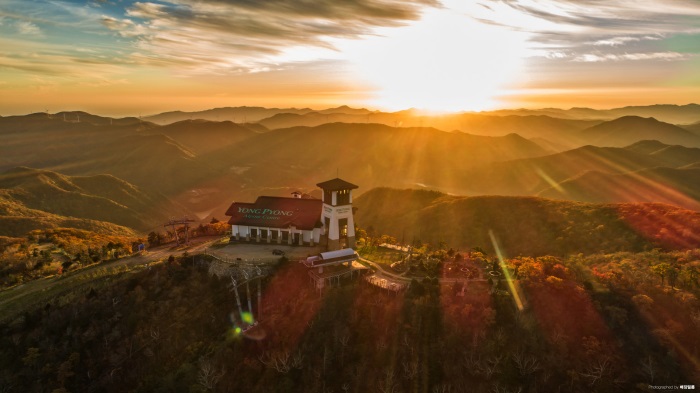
{"type": "Point", "coordinates": [99, 197]}
{"type": "Point", "coordinates": [17, 220]}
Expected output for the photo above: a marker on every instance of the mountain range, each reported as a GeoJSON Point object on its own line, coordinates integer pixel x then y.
{"type": "Point", "coordinates": [196, 167]}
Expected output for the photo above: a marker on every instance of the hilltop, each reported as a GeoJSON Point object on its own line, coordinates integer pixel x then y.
{"type": "Point", "coordinates": [35, 197]}
{"type": "Point", "coordinates": [17, 220]}
{"type": "Point", "coordinates": [526, 225]}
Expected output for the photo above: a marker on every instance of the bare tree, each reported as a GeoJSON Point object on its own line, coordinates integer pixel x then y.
{"type": "Point", "coordinates": [387, 384]}
{"type": "Point", "coordinates": [209, 375]}
{"type": "Point", "coordinates": [280, 360]}
{"type": "Point", "coordinates": [527, 364]}
{"type": "Point", "coordinates": [489, 366]}
{"type": "Point", "coordinates": [344, 340]}
{"type": "Point", "coordinates": [442, 388]}
{"type": "Point", "coordinates": [471, 363]}
{"type": "Point", "coordinates": [410, 369]}
{"type": "Point", "coordinates": [298, 360]}
{"type": "Point", "coordinates": [155, 334]}
{"type": "Point", "coordinates": [597, 370]}
{"type": "Point", "coordinates": [497, 388]}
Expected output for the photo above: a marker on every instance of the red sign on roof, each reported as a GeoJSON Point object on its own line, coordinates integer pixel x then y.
{"type": "Point", "coordinates": [277, 212]}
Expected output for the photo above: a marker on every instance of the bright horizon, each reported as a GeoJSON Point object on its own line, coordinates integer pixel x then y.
{"type": "Point", "coordinates": [133, 58]}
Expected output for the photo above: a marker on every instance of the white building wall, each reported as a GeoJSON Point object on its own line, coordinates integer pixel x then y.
{"type": "Point", "coordinates": [240, 230]}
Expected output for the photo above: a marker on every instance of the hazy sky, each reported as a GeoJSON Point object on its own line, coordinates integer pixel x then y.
{"type": "Point", "coordinates": [124, 57]}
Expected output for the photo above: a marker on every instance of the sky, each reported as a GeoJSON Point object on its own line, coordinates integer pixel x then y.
{"type": "Point", "coordinates": [124, 57]}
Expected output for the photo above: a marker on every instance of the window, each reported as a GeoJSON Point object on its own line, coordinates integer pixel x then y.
{"type": "Point", "coordinates": [343, 197]}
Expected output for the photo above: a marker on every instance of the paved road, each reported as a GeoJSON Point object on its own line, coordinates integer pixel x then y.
{"type": "Point", "coordinates": [14, 301]}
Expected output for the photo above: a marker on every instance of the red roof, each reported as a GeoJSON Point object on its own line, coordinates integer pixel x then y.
{"type": "Point", "coordinates": [277, 212]}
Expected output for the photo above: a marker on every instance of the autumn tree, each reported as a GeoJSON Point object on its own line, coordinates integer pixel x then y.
{"type": "Point", "coordinates": [662, 270]}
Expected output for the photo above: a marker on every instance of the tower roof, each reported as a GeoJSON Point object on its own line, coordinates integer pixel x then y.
{"type": "Point", "coordinates": [337, 184]}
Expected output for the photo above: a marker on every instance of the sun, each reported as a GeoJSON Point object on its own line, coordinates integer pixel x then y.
{"type": "Point", "coordinates": [446, 61]}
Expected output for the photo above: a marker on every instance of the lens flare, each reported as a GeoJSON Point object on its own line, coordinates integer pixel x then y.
{"type": "Point", "coordinates": [247, 317]}
{"type": "Point", "coordinates": [501, 262]}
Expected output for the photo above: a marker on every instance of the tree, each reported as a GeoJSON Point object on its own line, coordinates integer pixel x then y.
{"type": "Point", "coordinates": [672, 276]}
{"type": "Point", "coordinates": [662, 270]}
{"type": "Point", "coordinates": [209, 375]}
{"type": "Point", "coordinates": [154, 239]}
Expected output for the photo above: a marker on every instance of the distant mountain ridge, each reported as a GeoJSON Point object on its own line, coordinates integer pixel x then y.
{"type": "Point", "coordinates": [676, 186]}
{"type": "Point", "coordinates": [372, 154]}
{"type": "Point", "coordinates": [675, 114]}
{"type": "Point", "coordinates": [630, 129]}
{"type": "Point", "coordinates": [204, 136]}
{"type": "Point", "coordinates": [530, 176]}
{"type": "Point", "coordinates": [240, 114]}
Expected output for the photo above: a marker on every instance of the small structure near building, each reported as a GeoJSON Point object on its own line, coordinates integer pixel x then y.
{"type": "Point", "coordinates": [328, 268]}
{"type": "Point", "coordinates": [386, 283]}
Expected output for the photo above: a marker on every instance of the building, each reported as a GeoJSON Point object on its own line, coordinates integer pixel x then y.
{"type": "Point", "coordinates": [301, 220]}
{"type": "Point", "coordinates": [338, 215]}
{"type": "Point", "coordinates": [328, 268]}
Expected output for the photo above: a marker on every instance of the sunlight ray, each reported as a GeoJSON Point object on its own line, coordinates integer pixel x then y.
{"type": "Point", "coordinates": [501, 262]}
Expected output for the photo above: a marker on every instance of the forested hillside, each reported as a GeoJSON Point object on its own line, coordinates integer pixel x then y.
{"type": "Point", "coordinates": [604, 323]}
{"type": "Point", "coordinates": [526, 225]}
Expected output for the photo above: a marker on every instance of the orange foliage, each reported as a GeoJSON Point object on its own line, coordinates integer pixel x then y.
{"type": "Point", "coordinates": [566, 314]}
{"type": "Point", "coordinates": [665, 225]}
{"type": "Point", "coordinates": [472, 312]}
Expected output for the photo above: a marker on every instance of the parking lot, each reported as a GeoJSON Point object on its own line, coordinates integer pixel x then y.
{"type": "Point", "coordinates": [265, 251]}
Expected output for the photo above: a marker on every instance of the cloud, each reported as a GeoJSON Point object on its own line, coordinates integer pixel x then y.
{"type": "Point", "coordinates": [609, 27]}
{"type": "Point", "coordinates": [667, 56]}
{"type": "Point", "coordinates": [220, 36]}
{"type": "Point", "coordinates": [617, 41]}
{"type": "Point", "coordinates": [28, 28]}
